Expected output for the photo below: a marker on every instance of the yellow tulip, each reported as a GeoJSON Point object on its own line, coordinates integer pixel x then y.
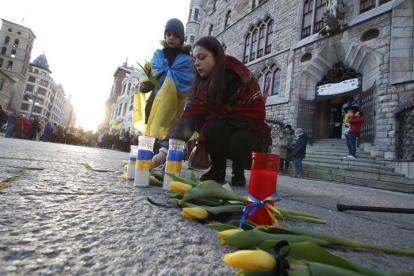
{"type": "Point", "coordinates": [178, 187]}
{"type": "Point", "coordinates": [250, 259]}
{"type": "Point", "coordinates": [194, 213]}
{"type": "Point", "coordinates": [148, 65]}
{"type": "Point", "coordinates": [226, 233]}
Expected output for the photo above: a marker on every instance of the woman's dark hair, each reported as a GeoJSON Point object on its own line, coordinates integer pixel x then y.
{"type": "Point", "coordinates": [216, 81]}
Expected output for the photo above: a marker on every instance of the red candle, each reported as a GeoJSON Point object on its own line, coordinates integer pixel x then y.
{"type": "Point", "coordinates": [263, 181]}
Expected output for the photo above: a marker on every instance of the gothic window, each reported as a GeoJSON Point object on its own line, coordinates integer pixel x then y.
{"type": "Point", "coordinates": [196, 13]}
{"type": "Point", "coordinates": [312, 17]}
{"type": "Point", "coordinates": [320, 8]}
{"type": "Point", "coordinates": [1, 62]}
{"type": "Point", "coordinates": [192, 38]}
{"type": "Point", "coordinates": [269, 37]}
{"type": "Point", "coordinates": [366, 5]}
{"type": "Point", "coordinates": [10, 65]}
{"type": "Point", "coordinates": [13, 54]}
{"type": "Point", "coordinates": [260, 82]}
{"type": "Point", "coordinates": [129, 88]}
{"type": "Point", "coordinates": [262, 35]}
{"type": "Point", "coordinates": [16, 43]}
{"type": "Point", "coordinates": [254, 45]}
{"type": "Point", "coordinates": [276, 82]}
{"type": "Point", "coordinates": [3, 50]}
{"type": "Point", "coordinates": [189, 16]}
{"type": "Point", "coordinates": [7, 40]}
{"type": "Point", "coordinates": [269, 81]}
{"type": "Point", "coordinates": [123, 89]}
{"type": "Point", "coordinates": [227, 20]}
{"type": "Point", "coordinates": [258, 41]}
{"type": "Point", "coordinates": [253, 4]}
{"type": "Point", "coordinates": [247, 49]}
{"type": "Point", "coordinates": [307, 18]}
{"type": "Point", "coordinates": [214, 5]}
{"type": "Point", "coordinates": [210, 30]}
{"type": "Point", "coordinates": [383, 1]}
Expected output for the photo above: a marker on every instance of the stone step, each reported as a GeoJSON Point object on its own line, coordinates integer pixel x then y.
{"type": "Point", "coordinates": [329, 167]}
{"type": "Point", "coordinates": [339, 153]}
{"type": "Point", "coordinates": [348, 162]}
{"type": "Point", "coordinates": [393, 186]}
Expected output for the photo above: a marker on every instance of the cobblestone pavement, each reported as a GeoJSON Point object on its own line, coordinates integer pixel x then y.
{"type": "Point", "coordinates": [64, 212]}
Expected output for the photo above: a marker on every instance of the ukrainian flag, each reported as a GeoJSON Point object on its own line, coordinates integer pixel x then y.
{"type": "Point", "coordinates": [170, 99]}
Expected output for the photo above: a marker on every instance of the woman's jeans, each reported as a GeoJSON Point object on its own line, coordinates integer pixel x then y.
{"type": "Point", "coordinates": [351, 143]}
{"type": "Point", "coordinates": [298, 165]}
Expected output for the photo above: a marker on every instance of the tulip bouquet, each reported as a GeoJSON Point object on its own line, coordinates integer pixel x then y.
{"type": "Point", "coordinates": [213, 198]}
{"type": "Point", "coordinates": [147, 68]}
{"type": "Point", "coordinates": [304, 257]}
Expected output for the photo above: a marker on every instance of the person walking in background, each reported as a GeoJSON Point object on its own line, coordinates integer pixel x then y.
{"type": "Point", "coordinates": [279, 147]}
{"type": "Point", "coordinates": [11, 122]}
{"type": "Point", "coordinates": [290, 136]}
{"type": "Point", "coordinates": [18, 127]}
{"type": "Point", "coordinates": [356, 122]}
{"type": "Point", "coordinates": [3, 118]}
{"type": "Point", "coordinates": [34, 126]}
{"type": "Point", "coordinates": [25, 127]}
{"type": "Point", "coordinates": [48, 132]}
{"type": "Point", "coordinates": [299, 152]}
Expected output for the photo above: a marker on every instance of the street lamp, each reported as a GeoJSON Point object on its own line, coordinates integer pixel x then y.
{"type": "Point", "coordinates": [33, 97]}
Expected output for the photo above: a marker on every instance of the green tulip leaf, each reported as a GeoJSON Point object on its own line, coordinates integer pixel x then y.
{"type": "Point", "coordinates": [221, 227]}
{"type": "Point", "coordinates": [211, 189]}
{"type": "Point", "coordinates": [314, 253]}
{"type": "Point", "coordinates": [250, 238]}
{"type": "Point", "coordinates": [184, 179]}
{"type": "Point", "coordinates": [336, 240]}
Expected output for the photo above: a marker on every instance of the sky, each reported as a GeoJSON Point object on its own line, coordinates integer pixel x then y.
{"type": "Point", "coordinates": [85, 41]}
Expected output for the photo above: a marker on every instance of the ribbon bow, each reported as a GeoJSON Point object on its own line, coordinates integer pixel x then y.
{"type": "Point", "coordinates": [254, 204]}
{"type": "Point", "coordinates": [282, 265]}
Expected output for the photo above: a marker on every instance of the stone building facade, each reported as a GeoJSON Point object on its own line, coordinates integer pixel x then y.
{"type": "Point", "coordinates": [122, 109]}
{"type": "Point", "coordinates": [16, 44]}
{"type": "Point", "coordinates": [117, 86]}
{"type": "Point", "coordinates": [42, 97]}
{"type": "Point", "coordinates": [294, 49]}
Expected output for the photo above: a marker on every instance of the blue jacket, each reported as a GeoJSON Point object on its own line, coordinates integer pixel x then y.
{"type": "Point", "coordinates": [13, 118]}
{"type": "Point", "coordinates": [300, 147]}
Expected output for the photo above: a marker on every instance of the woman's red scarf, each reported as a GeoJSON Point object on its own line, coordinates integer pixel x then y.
{"type": "Point", "coordinates": [247, 101]}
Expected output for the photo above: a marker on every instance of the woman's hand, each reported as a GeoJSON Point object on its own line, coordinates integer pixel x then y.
{"type": "Point", "coordinates": [159, 159]}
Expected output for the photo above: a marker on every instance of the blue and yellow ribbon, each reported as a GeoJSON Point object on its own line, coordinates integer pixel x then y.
{"type": "Point", "coordinates": [144, 160]}
{"type": "Point", "coordinates": [174, 159]}
{"type": "Point", "coordinates": [253, 204]}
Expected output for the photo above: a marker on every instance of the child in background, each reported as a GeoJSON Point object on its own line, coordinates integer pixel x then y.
{"type": "Point", "coordinates": [299, 151]}
{"type": "Point", "coordinates": [279, 147]}
{"type": "Point", "coordinates": [173, 68]}
{"type": "Point", "coordinates": [346, 121]}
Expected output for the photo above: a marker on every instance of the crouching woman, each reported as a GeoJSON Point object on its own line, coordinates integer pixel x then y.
{"type": "Point", "coordinates": [226, 108]}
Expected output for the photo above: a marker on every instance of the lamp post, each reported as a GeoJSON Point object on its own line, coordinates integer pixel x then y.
{"type": "Point", "coordinates": [33, 97]}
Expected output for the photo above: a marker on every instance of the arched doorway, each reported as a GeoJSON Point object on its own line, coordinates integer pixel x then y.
{"type": "Point", "coordinates": [337, 92]}
{"type": "Point", "coordinates": [321, 116]}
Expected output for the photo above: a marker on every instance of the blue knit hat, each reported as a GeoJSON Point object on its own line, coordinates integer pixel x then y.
{"type": "Point", "coordinates": [177, 27]}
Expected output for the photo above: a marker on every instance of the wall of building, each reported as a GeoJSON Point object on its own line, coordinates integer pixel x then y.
{"type": "Point", "coordinates": [385, 62]}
